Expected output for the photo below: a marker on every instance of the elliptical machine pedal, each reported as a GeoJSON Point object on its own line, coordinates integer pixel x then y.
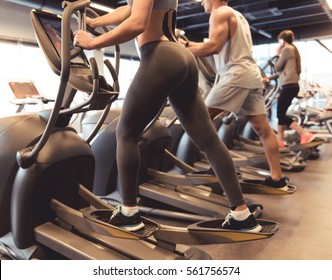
{"type": "Point", "coordinates": [256, 187]}
{"type": "Point", "coordinates": [103, 211]}
{"type": "Point", "coordinates": [101, 218]}
{"type": "Point", "coordinates": [269, 228]}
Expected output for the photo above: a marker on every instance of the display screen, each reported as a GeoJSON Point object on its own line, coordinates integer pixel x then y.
{"type": "Point", "coordinates": [24, 90]}
{"type": "Point", "coordinates": [52, 26]}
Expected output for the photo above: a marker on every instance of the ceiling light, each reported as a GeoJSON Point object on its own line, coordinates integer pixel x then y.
{"type": "Point", "coordinates": [262, 32]}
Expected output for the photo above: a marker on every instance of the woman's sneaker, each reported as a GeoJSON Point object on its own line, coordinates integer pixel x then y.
{"type": "Point", "coordinates": [281, 184]}
{"type": "Point", "coordinates": [128, 223]}
{"type": "Point", "coordinates": [248, 225]}
{"type": "Point", "coordinates": [281, 144]}
{"type": "Point", "coordinates": [306, 138]}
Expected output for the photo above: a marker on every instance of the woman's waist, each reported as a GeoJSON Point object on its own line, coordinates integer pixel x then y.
{"type": "Point", "coordinates": [284, 81]}
{"type": "Point", "coordinates": [290, 85]}
{"type": "Point", "coordinates": [141, 41]}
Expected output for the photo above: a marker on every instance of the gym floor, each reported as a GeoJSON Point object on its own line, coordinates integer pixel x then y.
{"type": "Point", "coordinates": [305, 219]}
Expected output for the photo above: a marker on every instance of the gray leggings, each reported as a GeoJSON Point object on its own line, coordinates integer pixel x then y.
{"type": "Point", "coordinates": [168, 70]}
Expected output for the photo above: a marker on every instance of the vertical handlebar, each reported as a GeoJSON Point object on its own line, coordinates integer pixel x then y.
{"type": "Point", "coordinates": [26, 157]}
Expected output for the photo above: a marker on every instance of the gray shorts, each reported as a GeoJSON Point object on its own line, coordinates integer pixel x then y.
{"type": "Point", "coordinates": [240, 101]}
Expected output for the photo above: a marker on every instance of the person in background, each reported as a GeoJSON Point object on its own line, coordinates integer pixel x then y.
{"type": "Point", "coordinates": [167, 70]}
{"type": "Point", "coordinates": [288, 66]}
{"type": "Point", "coordinates": [238, 87]}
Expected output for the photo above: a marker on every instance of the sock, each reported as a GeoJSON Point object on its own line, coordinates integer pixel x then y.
{"type": "Point", "coordinates": [240, 215]}
{"type": "Point", "coordinates": [129, 210]}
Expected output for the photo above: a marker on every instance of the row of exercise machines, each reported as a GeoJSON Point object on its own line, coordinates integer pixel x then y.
{"type": "Point", "coordinates": [57, 189]}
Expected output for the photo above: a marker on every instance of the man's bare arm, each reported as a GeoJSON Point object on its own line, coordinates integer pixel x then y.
{"type": "Point", "coordinates": [218, 35]}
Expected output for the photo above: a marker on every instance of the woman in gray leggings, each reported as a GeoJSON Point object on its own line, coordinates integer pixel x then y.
{"type": "Point", "coordinates": [167, 70]}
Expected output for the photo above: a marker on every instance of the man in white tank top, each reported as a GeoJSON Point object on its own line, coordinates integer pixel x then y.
{"type": "Point", "coordinates": [238, 87]}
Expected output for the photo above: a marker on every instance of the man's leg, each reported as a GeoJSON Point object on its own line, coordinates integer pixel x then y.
{"type": "Point", "coordinates": [269, 140]}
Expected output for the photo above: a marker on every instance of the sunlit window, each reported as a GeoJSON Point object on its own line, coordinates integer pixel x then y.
{"type": "Point", "coordinates": [20, 63]}
{"type": "Point", "coordinates": [312, 55]}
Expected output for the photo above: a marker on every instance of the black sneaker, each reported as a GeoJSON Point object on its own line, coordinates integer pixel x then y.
{"type": "Point", "coordinates": [128, 223]}
{"type": "Point", "coordinates": [281, 184]}
{"type": "Point", "coordinates": [249, 225]}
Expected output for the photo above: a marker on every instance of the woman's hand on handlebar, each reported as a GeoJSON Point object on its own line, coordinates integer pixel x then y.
{"type": "Point", "coordinates": [83, 39]}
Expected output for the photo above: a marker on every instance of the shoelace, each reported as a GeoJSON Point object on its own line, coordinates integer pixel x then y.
{"type": "Point", "coordinates": [116, 211]}
{"type": "Point", "coordinates": [227, 219]}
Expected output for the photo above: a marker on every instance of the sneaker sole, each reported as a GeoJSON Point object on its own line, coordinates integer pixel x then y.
{"type": "Point", "coordinates": [258, 228]}
{"type": "Point", "coordinates": [133, 227]}
{"type": "Point", "coordinates": [285, 188]}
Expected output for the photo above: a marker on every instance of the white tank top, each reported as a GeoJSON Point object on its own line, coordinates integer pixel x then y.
{"type": "Point", "coordinates": [235, 64]}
